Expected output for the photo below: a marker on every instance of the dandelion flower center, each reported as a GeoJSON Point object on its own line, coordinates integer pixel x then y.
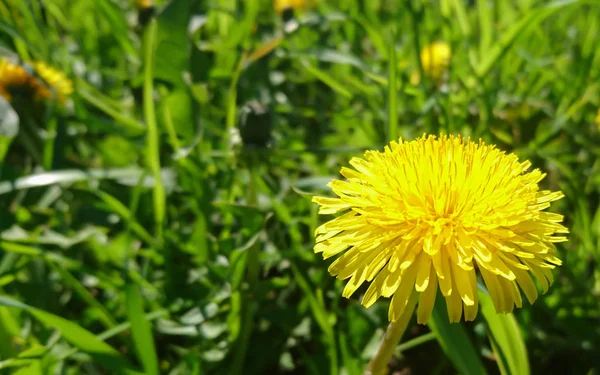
{"type": "Point", "coordinates": [432, 214]}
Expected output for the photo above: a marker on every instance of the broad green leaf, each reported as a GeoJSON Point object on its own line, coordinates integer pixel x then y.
{"type": "Point", "coordinates": [104, 355]}
{"type": "Point", "coordinates": [141, 330]}
{"type": "Point", "coordinates": [506, 339]}
{"type": "Point", "coordinates": [454, 341]}
{"type": "Point", "coordinates": [173, 44]}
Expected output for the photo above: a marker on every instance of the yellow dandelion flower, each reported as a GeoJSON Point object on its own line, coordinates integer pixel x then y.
{"type": "Point", "coordinates": [435, 59]}
{"type": "Point", "coordinates": [434, 212]}
{"type": "Point", "coordinates": [12, 76]}
{"type": "Point", "coordinates": [144, 4]}
{"type": "Point", "coordinates": [56, 82]}
{"type": "Point", "coordinates": [281, 5]}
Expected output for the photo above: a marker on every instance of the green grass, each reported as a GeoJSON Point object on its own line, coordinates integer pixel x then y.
{"type": "Point", "coordinates": [162, 222]}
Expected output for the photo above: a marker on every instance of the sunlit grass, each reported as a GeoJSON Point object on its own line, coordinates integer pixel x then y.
{"type": "Point", "coordinates": [159, 218]}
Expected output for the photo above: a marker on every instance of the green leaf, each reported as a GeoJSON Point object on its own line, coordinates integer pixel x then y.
{"type": "Point", "coordinates": [141, 330]}
{"type": "Point", "coordinates": [105, 355]}
{"type": "Point", "coordinates": [454, 341]}
{"type": "Point", "coordinates": [173, 45]}
{"type": "Point", "coordinates": [506, 339]}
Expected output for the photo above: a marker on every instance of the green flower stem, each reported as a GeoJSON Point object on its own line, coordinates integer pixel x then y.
{"type": "Point", "coordinates": [392, 336]}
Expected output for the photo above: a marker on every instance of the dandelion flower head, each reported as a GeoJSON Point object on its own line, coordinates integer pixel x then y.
{"type": "Point", "coordinates": [12, 77]}
{"type": "Point", "coordinates": [434, 213]}
{"type": "Point", "coordinates": [144, 4]}
{"type": "Point", "coordinates": [281, 5]}
{"type": "Point", "coordinates": [435, 59]}
{"type": "Point", "coordinates": [57, 82]}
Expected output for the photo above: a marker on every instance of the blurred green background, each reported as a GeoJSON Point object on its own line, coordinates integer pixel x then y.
{"type": "Point", "coordinates": [160, 220]}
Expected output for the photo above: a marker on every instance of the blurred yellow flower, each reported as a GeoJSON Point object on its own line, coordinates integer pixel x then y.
{"type": "Point", "coordinates": [12, 77]}
{"type": "Point", "coordinates": [143, 4]}
{"type": "Point", "coordinates": [281, 5]}
{"type": "Point", "coordinates": [434, 212]}
{"type": "Point", "coordinates": [435, 59]}
{"type": "Point", "coordinates": [56, 82]}
{"type": "Point", "coordinates": [598, 119]}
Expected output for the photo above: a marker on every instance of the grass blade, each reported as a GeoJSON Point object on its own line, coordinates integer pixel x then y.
{"type": "Point", "coordinates": [321, 316]}
{"type": "Point", "coordinates": [461, 15]}
{"type": "Point", "coordinates": [101, 352]}
{"type": "Point", "coordinates": [141, 330]}
{"type": "Point", "coordinates": [124, 212]}
{"type": "Point", "coordinates": [455, 342]}
{"type": "Point", "coordinates": [327, 79]}
{"type": "Point", "coordinates": [392, 95]}
{"type": "Point", "coordinates": [484, 11]}
{"type": "Point", "coordinates": [158, 194]}
{"type": "Point", "coordinates": [507, 40]}
{"type": "Point", "coordinates": [506, 339]}
{"type": "Point", "coordinates": [103, 315]}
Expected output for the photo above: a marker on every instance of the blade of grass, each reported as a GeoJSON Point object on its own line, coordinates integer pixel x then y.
{"type": "Point", "coordinates": [506, 339]}
{"type": "Point", "coordinates": [72, 175]}
{"type": "Point", "coordinates": [461, 15]}
{"type": "Point", "coordinates": [454, 341]}
{"type": "Point", "coordinates": [392, 94]}
{"type": "Point", "coordinates": [124, 212]}
{"type": "Point", "coordinates": [102, 353]}
{"type": "Point", "coordinates": [158, 193]}
{"type": "Point", "coordinates": [252, 278]}
{"type": "Point", "coordinates": [327, 79]}
{"type": "Point", "coordinates": [131, 125]}
{"type": "Point", "coordinates": [232, 101]}
{"type": "Point", "coordinates": [484, 11]}
{"type": "Point", "coordinates": [104, 316]}
{"type": "Point", "coordinates": [320, 314]}
{"type": "Point", "coordinates": [508, 38]}
{"type": "Point", "coordinates": [141, 330]}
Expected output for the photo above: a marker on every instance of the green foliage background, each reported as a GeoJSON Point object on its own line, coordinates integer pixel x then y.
{"type": "Point", "coordinates": [162, 223]}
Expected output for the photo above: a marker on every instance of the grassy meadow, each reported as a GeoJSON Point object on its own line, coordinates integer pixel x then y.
{"type": "Point", "coordinates": [156, 185]}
